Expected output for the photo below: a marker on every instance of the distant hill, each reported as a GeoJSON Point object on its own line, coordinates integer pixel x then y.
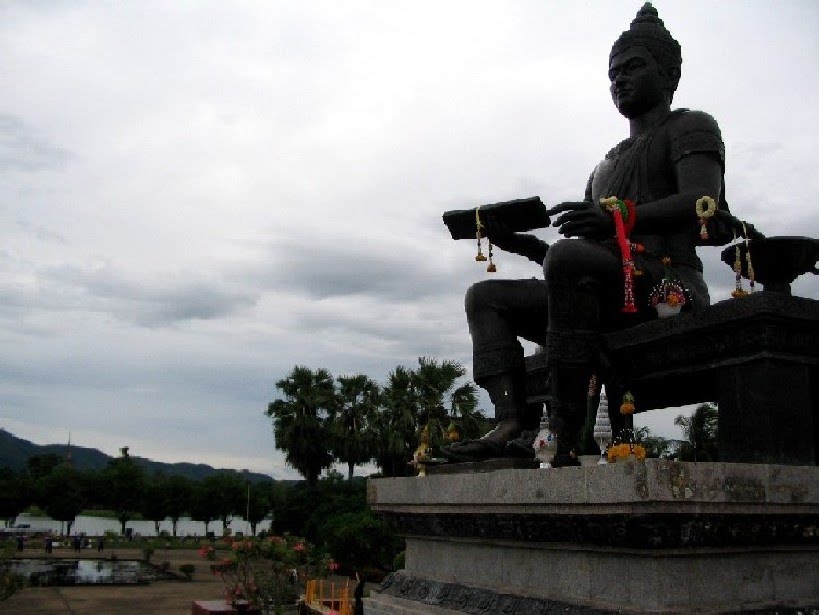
{"type": "Point", "coordinates": [15, 453]}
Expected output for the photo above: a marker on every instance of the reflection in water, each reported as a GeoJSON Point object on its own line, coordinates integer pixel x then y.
{"type": "Point", "coordinates": [83, 572]}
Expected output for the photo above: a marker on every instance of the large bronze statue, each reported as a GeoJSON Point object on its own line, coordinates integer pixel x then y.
{"type": "Point", "coordinates": [670, 160]}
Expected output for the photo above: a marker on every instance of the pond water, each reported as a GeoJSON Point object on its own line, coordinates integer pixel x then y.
{"type": "Point", "coordinates": [41, 572]}
{"type": "Point", "coordinates": [97, 526]}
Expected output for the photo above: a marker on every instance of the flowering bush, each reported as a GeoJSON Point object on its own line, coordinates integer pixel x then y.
{"type": "Point", "coordinates": [265, 572]}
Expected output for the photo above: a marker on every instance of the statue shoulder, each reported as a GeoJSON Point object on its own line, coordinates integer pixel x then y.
{"type": "Point", "coordinates": [683, 121]}
{"type": "Point", "coordinates": [694, 132]}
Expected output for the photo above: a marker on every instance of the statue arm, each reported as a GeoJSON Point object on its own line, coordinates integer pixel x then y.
{"type": "Point", "coordinates": [697, 175]}
{"type": "Point", "coordinates": [522, 244]}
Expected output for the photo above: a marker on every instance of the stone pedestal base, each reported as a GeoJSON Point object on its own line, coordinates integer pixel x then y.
{"type": "Point", "coordinates": [653, 537]}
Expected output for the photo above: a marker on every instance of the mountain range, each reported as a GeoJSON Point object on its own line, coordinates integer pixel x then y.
{"type": "Point", "coordinates": [15, 453]}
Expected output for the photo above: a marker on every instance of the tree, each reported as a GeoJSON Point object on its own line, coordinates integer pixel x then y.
{"type": "Point", "coordinates": [61, 494]}
{"type": "Point", "coordinates": [441, 401]}
{"type": "Point", "coordinates": [351, 430]}
{"type": "Point", "coordinates": [226, 491]}
{"type": "Point", "coordinates": [203, 508]}
{"type": "Point", "coordinates": [125, 487]}
{"type": "Point", "coordinates": [15, 494]}
{"type": "Point", "coordinates": [179, 498]}
{"type": "Point", "coordinates": [700, 431]}
{"type": "Point", "coordinates": [301, 421]}
{"type": "Point", "coordinates": [656, 446]}
{"type": "Point", "coordinates": [258, 504]}
{"type": "Point", "coordinates": [395, 425]}
{"type": "Point", "coordinates": [40, 466]}
{"type": "Point", "coordinates": [155, 503]}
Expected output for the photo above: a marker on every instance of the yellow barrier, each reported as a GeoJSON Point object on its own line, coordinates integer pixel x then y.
{"type": "Point", "coordinates": [326, 596]}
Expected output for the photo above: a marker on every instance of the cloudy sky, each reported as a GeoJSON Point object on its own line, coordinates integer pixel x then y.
{"type": "Point", "coordinates": [197, 196]}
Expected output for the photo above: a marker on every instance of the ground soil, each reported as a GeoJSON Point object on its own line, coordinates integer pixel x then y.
{"type": "Point", "coordinates": [159, 597]}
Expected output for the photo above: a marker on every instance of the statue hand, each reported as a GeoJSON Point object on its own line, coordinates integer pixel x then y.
{"type": "Point", "coordinates": [740, 228]}
{"type": "Point", "coordinates": [582, 219]}
{"type": "Point", "coordinates": [499, 233]}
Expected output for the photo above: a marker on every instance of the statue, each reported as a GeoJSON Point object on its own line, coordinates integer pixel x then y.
{"type": "Point", "coordinates": [670, 160]}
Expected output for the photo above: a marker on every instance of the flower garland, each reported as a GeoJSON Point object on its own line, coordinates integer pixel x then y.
{"type": "Point", "coordinates": [703, 213]}
{"type": "Point", "coordinates": [625, 445]}
{"type": "Point", "coordinates": [624, 450]}
{"type": "Point", "coordinates": [669, 291]}
{"type": "Point", "coordinates": [625, 217]}
{"type": "Point", "coordinates": [739, 291]}
{"type": "Point", "coordinates": [480, 256]}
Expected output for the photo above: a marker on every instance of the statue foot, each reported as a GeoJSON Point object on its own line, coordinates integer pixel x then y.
{"type": "Point", "coordinates": [522, 446]}
{"type": "Point", "coordinates": [490, 446]}
{"type": "Point", "coordinates": [473, 450]}
{"type": "Point", "coordinates": [563, 460]}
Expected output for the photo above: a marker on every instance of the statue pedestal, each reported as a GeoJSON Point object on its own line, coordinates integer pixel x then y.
{"type": "Point", "coordinates": [644, 537]}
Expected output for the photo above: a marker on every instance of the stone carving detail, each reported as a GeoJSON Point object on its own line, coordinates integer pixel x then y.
{"type": "Point", "coordinates": [632, 531]}
{"type": "Point", "coordinates": [473, 600]}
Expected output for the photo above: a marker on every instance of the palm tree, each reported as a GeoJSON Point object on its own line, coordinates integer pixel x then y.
{"type": "Point", "coordinates": [357, 399]}
{"type": "Point", "coordinates": [395, 424]}
{"type": "Point", "coordinates": [441, 402]}
{"type": "Point", "coordinates": [301, 421]}
{"type": "Point", "coordinates": [700, 431]}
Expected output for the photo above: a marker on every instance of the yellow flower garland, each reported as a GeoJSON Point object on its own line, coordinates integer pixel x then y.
{"type": "Point", "coordinates": [705, 207]}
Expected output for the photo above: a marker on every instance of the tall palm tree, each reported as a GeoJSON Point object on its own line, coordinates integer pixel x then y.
{"type": "Point", "coordinates": [395, 424]}
{"type": "Point", "coordinates": [301, 421]}
{"type": "Point", "coordinates": [442, 401]}
{"type": "Point", "coordinates": [357, 399]}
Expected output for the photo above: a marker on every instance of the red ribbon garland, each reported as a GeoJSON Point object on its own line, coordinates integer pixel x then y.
{"type": "Point", "coordinates": [622, 229]}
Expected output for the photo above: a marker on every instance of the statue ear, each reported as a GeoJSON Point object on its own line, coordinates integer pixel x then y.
{"type": "Point", "coordinates": [673, 79]}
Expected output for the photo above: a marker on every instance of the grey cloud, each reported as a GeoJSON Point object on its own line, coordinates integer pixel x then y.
{"type": "Point", "coordinates": [155, 303]}
{"type": "Point", "coordinates": [353, 268]}
{"type": "Point", "coordinates": [22, 149]}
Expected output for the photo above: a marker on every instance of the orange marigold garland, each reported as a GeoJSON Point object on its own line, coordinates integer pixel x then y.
{"type": "Point", "coordinates": [625, 217]}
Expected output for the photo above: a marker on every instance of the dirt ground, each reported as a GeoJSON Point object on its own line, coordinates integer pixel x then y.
{"type": "Point", "coordinates": [160, 597]}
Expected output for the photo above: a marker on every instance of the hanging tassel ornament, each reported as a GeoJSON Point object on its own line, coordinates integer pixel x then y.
{"type": "Point", "coordinates": [738, 291]}
{"type": "Point", "coordinates": [478, 226]}
{"type": "Point", "coordinates": [625, 216]}
{"type": "Point", "coordinates": [748, 265]}
{"type": "Point", "coordinates": [478, 235]}
{"type": "Point", "coordinates": [706, 207]}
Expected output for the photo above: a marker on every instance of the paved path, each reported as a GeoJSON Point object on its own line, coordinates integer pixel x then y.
{"type": "Point", "coordinates": [160, 597]}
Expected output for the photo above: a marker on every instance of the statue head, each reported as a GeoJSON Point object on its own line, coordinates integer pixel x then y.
{"type": "Point", "coordinates": [648, 39]}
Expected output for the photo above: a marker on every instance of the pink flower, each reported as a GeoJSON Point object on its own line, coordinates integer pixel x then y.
{"type": "Point", "coordinates": [299, 547]}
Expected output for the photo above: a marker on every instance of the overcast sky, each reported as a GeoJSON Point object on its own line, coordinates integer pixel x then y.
{"type": "Point", "coordinates": [197, 196]}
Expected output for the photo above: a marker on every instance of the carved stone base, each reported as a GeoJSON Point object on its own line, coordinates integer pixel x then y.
{"type": "Point", "coordinates": [650, 537]}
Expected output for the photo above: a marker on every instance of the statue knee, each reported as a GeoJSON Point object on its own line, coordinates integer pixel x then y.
{"type": "Point", "coordinates": [479, 296]}
{"type": "Point", "coordinates": [564, 257]}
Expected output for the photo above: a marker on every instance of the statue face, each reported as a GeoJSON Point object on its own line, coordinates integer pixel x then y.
{"type": "Point", "coordinates": [638, 84]}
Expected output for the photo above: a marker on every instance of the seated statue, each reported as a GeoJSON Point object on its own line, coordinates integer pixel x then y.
{"type": "Point", "coordinates": [670, 160]}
